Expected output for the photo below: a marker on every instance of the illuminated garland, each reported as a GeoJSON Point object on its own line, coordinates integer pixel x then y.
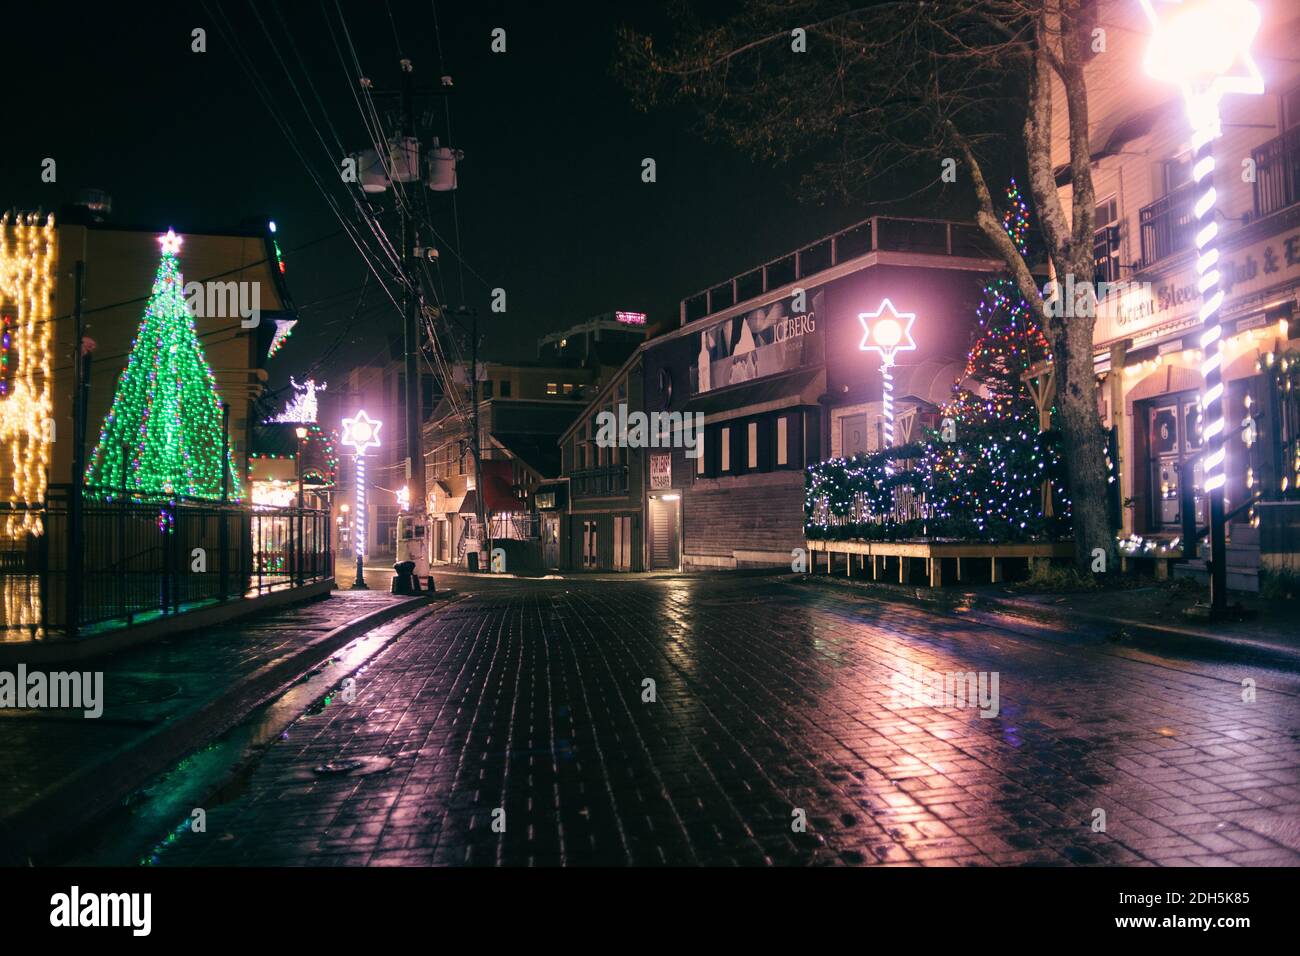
{"type": "Point", "coordinates": [327, 472]}
{"type": "Point", "coordinates": [283, 329]}
{"type": "Point", "coordinates": [28, 259]}
{"type": "Point", "coordinates": [8, 352]}
{"type": "Point", "coordinates": [162, 437]}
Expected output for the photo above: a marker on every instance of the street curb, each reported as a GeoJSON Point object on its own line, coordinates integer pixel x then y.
{"type": "Point", "coordinates": [80, 798]}
{"type": "Point", "coordinates": [1030, 609]}
{"type": "Point", "coordinates": [65, 650]}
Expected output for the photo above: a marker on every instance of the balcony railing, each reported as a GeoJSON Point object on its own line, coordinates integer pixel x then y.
{"type": "Point", "coordinates": [936, 237]}
{"type": "Point", "coordinates": [515, 525]}
{"type": "Point", "coordinates": [606, 480]}
{"type": "Point", "coordinates": [1277, 173]}
{"type": "Point", "coordinates": [1168, 225]}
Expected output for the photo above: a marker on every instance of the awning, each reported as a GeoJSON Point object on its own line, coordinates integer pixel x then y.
{"type": "Point", "coordinates": [498, 493]}
{"type": "Point", "coordinates": [444, 501]}
{"type": "Point", "coordinates": [752, 398]}
{"type": "Point", "coordinates": [929, 381]}
{"type": "Point", "coordinates": [1114, 135]}
{"type": "Point", "coordinates": [449, 505]}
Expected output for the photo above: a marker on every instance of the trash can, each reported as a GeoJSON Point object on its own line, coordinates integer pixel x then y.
{"type": "Point", "coordinates": [404, 580]}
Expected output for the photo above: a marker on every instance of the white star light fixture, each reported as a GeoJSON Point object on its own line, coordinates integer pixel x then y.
{"type": "Point", "coordinates": [888, 332]}
{"type": "Point", "coordinates": [1203, 46]}
{"type": "Point", "coordinates": [361, 432]}
{"type": "Point", "coordinates": [170, 243]}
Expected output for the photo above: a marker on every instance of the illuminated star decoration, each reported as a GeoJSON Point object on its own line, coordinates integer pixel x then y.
{"type": "Point", "coordinates": [887, 331]}
{"type": "Point", "coordinates": [361, 432]}
{"type": "Point", "coordinates": [1195, 43]}
{"type": "Point", "coordinates": [171, 243]}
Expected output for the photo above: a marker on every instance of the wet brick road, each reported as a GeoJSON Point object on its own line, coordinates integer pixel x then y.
{"type": "Point", "coordinates": [773, 696]}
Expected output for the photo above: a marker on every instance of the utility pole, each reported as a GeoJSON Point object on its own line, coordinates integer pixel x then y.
{"type": "Point", "coordinates": [484, 536]}
{"type": "Point", "coordinates": [410, 328]}
{"type": "Point", "coordinates": [397, 168]}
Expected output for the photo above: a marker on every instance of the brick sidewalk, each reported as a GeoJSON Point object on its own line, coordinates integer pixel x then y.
{"type": "Point", "coordinates": [772, 698]}
{"type": "Point", "coordinates": [148, 688]}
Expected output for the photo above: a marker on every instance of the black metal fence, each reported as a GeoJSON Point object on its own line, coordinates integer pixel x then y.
{"type": "Point", "coordinates": [140, 560]}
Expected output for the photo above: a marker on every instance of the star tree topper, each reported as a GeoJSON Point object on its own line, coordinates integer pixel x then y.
{"type": "Point", "coordinates": [171, 243]}
{"type": "Point", "coordinates": [361, 432]}
{"type": "Point", "coordinates": [887, 331]}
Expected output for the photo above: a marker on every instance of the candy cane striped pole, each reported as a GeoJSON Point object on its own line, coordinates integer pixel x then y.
{"type": "Point", "coordinates": [1207, 259]}
{"type": "Point", "coordinates": [359, 524]}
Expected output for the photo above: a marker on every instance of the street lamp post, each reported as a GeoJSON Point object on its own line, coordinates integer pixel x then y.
{"type": "Point", "coordinates": [888, 332]}
{"type": "Point", "coordinates": [301, 432]}
{"type": "Point", "coordinates": [1196, 45]}
{"type": "Point", "coordinates": [360, 432]}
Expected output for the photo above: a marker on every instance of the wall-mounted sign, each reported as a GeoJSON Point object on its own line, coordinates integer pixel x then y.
{"type": "Point", "coordinates": [661, 472]}
{"type": "Point", "coordinates": [1174, 302]}
{"type": "Point", "coordinates": [769, 340]}
{"type": "Point", "coordinates": [630, 318]}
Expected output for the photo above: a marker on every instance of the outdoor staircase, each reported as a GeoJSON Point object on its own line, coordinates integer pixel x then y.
{"type": "Point", "coordinates": [1243, 560]}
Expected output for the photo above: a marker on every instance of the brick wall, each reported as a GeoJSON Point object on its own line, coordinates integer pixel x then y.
{"type": "Point", "coordinates": [752, 513]}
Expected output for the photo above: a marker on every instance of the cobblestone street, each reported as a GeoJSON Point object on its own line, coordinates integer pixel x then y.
{"type": "Point", "coordinates": [772, 696]}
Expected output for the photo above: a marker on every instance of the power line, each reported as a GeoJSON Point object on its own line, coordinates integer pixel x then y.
{"type": "Point", "coordinates": [259, 87]}
{"type": "Point", "coordinates": [383, 240]}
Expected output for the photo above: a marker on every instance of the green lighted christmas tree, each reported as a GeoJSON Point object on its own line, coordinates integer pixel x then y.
{"type": "Point", "coordinates": [162, 438]}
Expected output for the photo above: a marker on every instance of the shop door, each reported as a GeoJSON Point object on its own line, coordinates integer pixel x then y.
{"type": "Point", "coordinates": [853, 435]}
{"type": "Point", "coordinates": [622, 543]}
{"type": "Point", "coordinates": [551, 540]}
{"type": "Point", "coordinates": [663, 535]}
{"type": "Point", "coordinates": [1174, 436]}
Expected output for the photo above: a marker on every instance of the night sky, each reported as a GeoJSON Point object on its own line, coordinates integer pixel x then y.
{"type": "Point", "coordinates": [551, 203]}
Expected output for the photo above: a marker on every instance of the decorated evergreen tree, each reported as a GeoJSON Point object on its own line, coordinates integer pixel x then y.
{"type": "Point", "coordinates": [162, 437]}
{"type": "Point", "coordinates": [986, 465]}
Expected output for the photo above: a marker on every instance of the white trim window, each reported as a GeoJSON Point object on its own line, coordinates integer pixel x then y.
{"type": "Point", "coordinates": [783, 440]}
{"type": "Point", "coordinates": [725, 449]}
{"type": "Point", "coordinates": [752, 460]}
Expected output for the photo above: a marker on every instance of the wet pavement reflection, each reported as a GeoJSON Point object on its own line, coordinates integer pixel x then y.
{"type": "Point", "coordinates": [761, 720]}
